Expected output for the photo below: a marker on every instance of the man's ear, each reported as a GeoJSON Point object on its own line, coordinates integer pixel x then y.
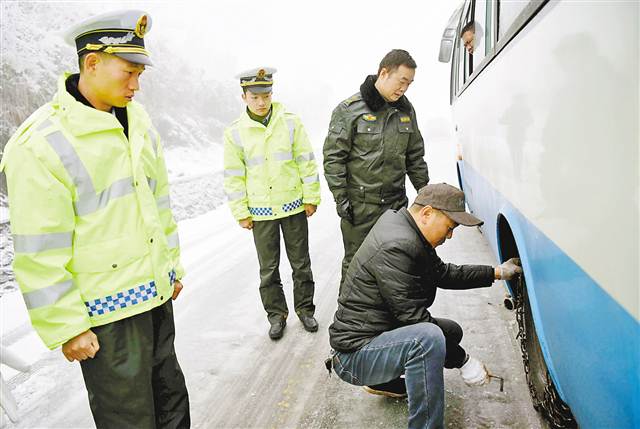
{"type": "Point", "coordinates": [426, 213]}
{"type": "Point", "coordinates": [91, 62]}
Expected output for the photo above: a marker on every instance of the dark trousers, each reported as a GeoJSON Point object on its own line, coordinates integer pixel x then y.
{"type": "Point", "coordinates": [266, 236]}
{"type": "Point", "coordinates": [365, 215]}
{"type": "Point", "coordinates": [455, 355]}
{"type": "Point", "coordinates": [135, 381]}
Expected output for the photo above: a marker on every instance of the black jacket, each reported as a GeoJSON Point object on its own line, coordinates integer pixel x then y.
{"type": "Point", "coordinates": [392, 281]}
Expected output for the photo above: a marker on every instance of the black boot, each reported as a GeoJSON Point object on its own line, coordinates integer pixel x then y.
{"type": "Point", "coordinates": [277, 328]}
{"type": "Point", "coordinates": [310, 323]}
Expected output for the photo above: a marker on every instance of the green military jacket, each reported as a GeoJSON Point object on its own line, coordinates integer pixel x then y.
{"type": "Point", "coordinates": [371, 146]}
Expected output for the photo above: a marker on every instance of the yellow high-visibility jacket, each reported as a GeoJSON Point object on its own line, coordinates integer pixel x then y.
{"type": "Point", "coordinates": [94, 237]}
{"type": "Point", "coordinates": [269, 172]}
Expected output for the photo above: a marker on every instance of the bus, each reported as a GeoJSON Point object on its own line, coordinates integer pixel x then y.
{"type": "Point", "coordinates": [544, 98]}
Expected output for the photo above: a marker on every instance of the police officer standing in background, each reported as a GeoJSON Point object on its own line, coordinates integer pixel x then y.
{"type": "Point", "coordinates": [373, 142]}
{"type": "Point", "coordinates": [97, 256]}
{"type": "Point", "coordinates": [271, 181]}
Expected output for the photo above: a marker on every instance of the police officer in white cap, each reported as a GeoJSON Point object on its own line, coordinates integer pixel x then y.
{"type": "Point", "coordinates": [97, 255]}
{"type": "Point", "coordinates": [271, 181]}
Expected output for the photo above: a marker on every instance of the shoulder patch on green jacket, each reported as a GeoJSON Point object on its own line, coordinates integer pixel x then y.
{"type": "Point", "coordinates": [352, 99]}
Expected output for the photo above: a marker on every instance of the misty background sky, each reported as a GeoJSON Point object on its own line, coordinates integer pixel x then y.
{"type": "Point", "coordinates": [322, 50]}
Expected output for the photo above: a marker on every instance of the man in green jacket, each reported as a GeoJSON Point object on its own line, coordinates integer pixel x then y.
{"type": "Point", "coordinates": [271, 181]}
{"type": "Point", "coordinates": [372, 145]}
{"type": "Point", "coordinates": [96, 246]}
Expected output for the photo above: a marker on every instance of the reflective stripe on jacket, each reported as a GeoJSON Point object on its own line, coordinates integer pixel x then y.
{"type": "Point", "coordinates": [94, 237]}
{"type": "Point", "coordinates": [269, 172]}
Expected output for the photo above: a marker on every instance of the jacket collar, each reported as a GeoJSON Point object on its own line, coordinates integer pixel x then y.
{"type": "Point", "coordinates": [374, 100]}
{"type": "Point", "coordinates": [80, 119]}
{"type": "Point", "coordinates": [71, 85]}
{"type": "Point", "coordinates": [404, 212]}
{"type": "Point", "coordinates": [264, 120]}
{"type": "Point", "coordinates": [277, 110]}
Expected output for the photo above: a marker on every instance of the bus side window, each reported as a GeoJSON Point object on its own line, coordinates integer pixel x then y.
{"type": "Point", "coordinates": [490, 27]}
{"type": "Point", "coordinates": [465, 65]}
{"type": "Point", "coordinates": [455, 71]}
{"type": "Point", "coordinates": [481, 30]}
{"type": "Point", "coordinates": [508, 11]}
{"type": "Point", "coordinates": [461, 64]}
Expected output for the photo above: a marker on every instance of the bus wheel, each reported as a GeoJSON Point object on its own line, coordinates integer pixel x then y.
{"type": "Point", "coordinates": [543, 392]}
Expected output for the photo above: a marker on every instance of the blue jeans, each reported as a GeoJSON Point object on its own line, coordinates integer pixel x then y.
{"type": "Point", "coordinates": [418, 352]}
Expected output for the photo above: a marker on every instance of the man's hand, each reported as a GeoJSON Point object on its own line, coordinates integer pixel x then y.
{"type": "Point", "coordinates": [345, 211]}
{"type": "Point", "coordinates": [508, 270]}
{"type": "Point", "coordinates": [177, 288]}
{"type": "Point", "coordinates": [310, 209]}
{"type": "Point", "coordinates": [246, 223]}
{"type": "Point", "coordinates": [81, 347]}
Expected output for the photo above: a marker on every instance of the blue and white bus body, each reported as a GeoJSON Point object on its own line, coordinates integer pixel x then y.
{"type": "Point", "coordinates": [547, 135]}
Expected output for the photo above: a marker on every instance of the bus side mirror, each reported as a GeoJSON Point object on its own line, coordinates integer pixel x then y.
{"type": "Point", "coordinates": [446, 44]}
{"type": "Point", "coordinates": [449, 36]}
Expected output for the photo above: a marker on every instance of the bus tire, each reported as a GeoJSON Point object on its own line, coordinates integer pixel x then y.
{"type": "Point", "coordinates": [544, 394]}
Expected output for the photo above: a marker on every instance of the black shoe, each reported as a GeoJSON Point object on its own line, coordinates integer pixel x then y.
{"type": "Point", "coordinates": [393, 389]}
{"type": "Point", "coordinates": [277, 329]}
{"type": "Point", "coordinates": [310, 323]}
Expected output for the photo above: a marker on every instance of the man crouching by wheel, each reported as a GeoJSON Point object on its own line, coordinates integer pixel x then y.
{"type": "Point", "coordinates": [383, 330]}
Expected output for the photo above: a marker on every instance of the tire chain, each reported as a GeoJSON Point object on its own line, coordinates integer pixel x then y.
{"type": "Point", "coordinates": [552, 407]}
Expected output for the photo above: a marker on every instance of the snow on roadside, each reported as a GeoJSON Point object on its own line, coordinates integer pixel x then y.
{"type": "Point", "coordinates": [195, 177]}
{"type": "Point", "coordinates": [196, 180]}
{"type": "Point", "coordinates": [187, 162]}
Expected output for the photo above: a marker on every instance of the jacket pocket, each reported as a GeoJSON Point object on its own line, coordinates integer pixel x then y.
{"type": "Point", "coordinates": [405, 127]}
{"type": "Point", "coordinates": [405, 130]}
{"type": "Point", "coordinates": [335, 128]}
{"type": "Point", "coordinates": [368, 139]}
{"type": "Point", "coordinates": [108, 255]}
{"type": "Point", "coordinates": [364, 127]}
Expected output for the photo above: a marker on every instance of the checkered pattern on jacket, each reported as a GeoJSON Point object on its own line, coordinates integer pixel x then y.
{"type": "Point", "coordinates": [261, 211]}
{"type": "Point", "coordinates": [133, 296]}
{"type": "Point", "coordinates": [292, 205]}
